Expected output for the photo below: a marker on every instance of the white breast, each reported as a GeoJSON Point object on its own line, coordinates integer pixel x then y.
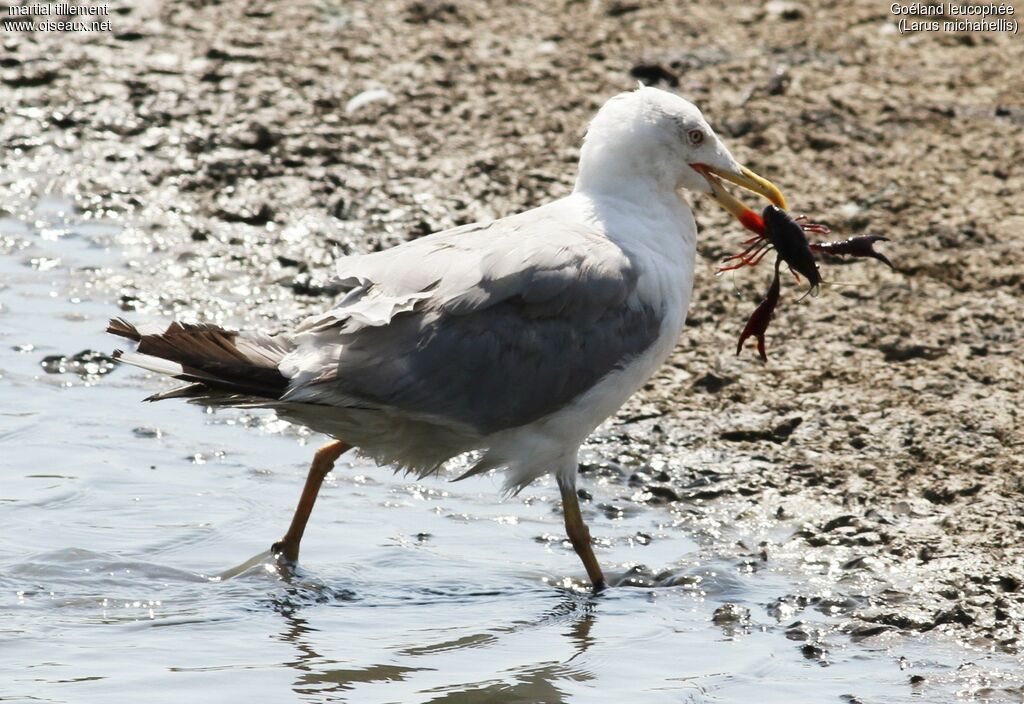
{"type": "Point", "coordinates": [661, 240]}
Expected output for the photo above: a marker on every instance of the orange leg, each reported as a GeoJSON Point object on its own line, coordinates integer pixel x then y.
{"type": "Point", "coordinates": [579, 534]}
{"type": "Point", "coordinates": [323, 462]}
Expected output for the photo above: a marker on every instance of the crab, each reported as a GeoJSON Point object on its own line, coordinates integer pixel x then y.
{"type": "Point", "coordinates": [777, 230]}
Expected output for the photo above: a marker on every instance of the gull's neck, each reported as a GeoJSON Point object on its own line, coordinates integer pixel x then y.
{"type": "Point", "coordinates": [645, 203]}
{"type": "Point", "coordinates": [609, 169]}
{"type": "Point", "coordinates": [640, 215]}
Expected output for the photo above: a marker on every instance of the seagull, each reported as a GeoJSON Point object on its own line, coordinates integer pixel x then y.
{"type": "Point", "coordinates": [507, 341]}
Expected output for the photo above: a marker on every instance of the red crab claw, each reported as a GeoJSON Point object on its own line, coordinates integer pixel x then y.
{"type": "Point", "coordinates": [855, 247]}
{"type": "Point", "coordinates": [757, 324]}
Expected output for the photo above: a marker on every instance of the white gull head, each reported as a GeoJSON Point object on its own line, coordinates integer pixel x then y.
{"type": "Point", "coordinates": [650, 140]}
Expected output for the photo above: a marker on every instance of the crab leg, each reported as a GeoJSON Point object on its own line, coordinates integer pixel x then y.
{"type": "Point", "coordinates": [807, 226]}
{"type": "Point", "coordinates": [855, 247]}
{"type": "Point", "coordinates": [756, 259]}
{"type": "Point", "coordinates": [757, 324]}
{"type": "Point", "coordinates": [748, 257]}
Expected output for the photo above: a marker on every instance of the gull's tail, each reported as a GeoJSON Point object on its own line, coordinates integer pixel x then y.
{"type": "Point", "coordinates": [218, 364]}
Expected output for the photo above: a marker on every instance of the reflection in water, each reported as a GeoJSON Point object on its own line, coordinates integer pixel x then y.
{"type": "Point", "coordinates": [314, 672]}
{"type": "Point", "coordinates": [534, 683]}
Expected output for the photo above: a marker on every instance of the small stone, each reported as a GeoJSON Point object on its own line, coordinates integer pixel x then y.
{"type": "Point", "coordinates": [147, 431]}
{"type": "Point", "coordinates": [788, 11]}
{"type": "Point", "coordinates": [368, 97]}
{"type": "Point", "coordinates": [87, 363]}
{"type": "Point", "coordinates": [653, 74]}
{"type": "Point", "coordinates": [812, 652]}
{"type": "Point", "coordinates": [730, 614]}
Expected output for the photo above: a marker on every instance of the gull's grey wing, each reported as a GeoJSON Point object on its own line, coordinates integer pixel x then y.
{"type": "Point", "coordinates": [488, 326]}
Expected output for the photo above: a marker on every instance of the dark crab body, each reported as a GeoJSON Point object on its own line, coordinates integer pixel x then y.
{"type": "Point", "coordinates": [789, 240]}
{"type": "Point", "coordinates": [786, 235]}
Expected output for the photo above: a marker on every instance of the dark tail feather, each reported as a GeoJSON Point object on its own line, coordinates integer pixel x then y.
{"type": "Point", "coordinates": [120, 326]}
{"type": "Point", "coordinates": [210, 358]}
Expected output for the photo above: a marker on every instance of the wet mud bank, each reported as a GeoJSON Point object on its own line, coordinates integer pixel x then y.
{"type": "Point", "coordinates": [877, 452]}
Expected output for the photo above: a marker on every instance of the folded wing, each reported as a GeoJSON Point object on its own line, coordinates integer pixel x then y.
{"type": "Point", "coordinates": [485, 326]}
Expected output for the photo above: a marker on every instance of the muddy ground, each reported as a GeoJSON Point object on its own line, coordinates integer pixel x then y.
{"type": "Point", "coordinates": [881, 439]}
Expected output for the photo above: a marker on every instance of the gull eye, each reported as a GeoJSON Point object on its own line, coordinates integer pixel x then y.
{"type": "Point", "coordinates": [695, 136]}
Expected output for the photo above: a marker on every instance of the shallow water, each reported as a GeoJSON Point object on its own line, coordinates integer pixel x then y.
{"type": "Point", "coordinates": [134, 568]}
